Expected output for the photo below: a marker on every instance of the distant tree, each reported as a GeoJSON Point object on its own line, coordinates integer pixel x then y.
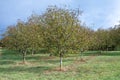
{"type": "Point", "coordinates": [101, 39]}
{"type": "Point", "coordinates": [115, 35]}
{"type": "Point", "coordinates": [16, 38]}
{"type": "Point", "coordinates": [35, 37]}
{"type": "Point", "coordinates": [83, 40]}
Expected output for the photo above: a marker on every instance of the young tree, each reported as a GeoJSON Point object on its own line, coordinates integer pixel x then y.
{"type": "Point", "coordinates": [61, 25]}
{"type": "Point", "coordinates": [16, 38]}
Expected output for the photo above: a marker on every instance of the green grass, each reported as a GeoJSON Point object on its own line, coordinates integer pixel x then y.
{"type": "Point", "coordinates": [43, 67]}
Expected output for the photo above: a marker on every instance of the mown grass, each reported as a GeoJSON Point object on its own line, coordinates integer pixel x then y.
{"type": "Point", "coordinates": [43, 67]}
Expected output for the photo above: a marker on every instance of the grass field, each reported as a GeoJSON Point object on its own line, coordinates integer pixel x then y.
{"type": "Point", "coordinates": [43, 67]}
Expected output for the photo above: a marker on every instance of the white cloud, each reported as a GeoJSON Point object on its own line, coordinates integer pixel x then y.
{"type": "Point", "coordinates": [113, 16]}
{"type": "Point", "coordinates": [103, 16]}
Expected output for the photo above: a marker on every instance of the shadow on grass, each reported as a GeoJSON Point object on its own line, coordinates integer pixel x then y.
{"type": "Point", "coordinates": [6, 62]}
{"type": "Point", "coordinates": [111, 53]}
{"type": "Point", "coordinates": [9, 55]}
{"type": "Point", "coordinates": [8, 52]}
{"type": "Point", "coordinates": [37, 69]}
{"type": "Point", "coordinates": [58, 61]}
{"type": "Point", "coordinates": [102, 53]}
{"type": "Point", "coordinates": [39, 57]}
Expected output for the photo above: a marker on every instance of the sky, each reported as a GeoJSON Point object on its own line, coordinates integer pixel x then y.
{"type": "Point", "coordinates": [96, 13]}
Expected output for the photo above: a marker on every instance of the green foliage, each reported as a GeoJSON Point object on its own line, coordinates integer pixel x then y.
{"type": "Point", "coordinates": [106, 39]}
{"type": "Point", "coordinates": [58, 28]}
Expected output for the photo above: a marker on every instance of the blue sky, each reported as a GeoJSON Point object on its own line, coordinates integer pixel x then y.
{"type": "Point", "coordinates": [96, 13]}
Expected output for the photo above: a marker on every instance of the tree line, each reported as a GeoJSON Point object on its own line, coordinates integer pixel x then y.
{"type": "Point", "coordinates": [58, 31]}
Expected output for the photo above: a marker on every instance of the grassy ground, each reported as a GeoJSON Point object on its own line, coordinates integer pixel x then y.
{"type": "Point", "coordinates": [43, 67]}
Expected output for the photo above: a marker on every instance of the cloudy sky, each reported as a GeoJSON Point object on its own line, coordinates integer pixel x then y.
{"type": "Point", "coordinates": [96, 13]}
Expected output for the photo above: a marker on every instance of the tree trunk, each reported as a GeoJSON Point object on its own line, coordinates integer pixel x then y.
{"type": "Point", "coordinates": [51, 54]}
{"type": "Point", "coordinates": [32, 52]}
{"type": "Point", "coordinates": [60, 61]}
{"type": "Point", "coordinates": [81, 56]}
{"type": "Point", "coordinates": [24, 55]}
